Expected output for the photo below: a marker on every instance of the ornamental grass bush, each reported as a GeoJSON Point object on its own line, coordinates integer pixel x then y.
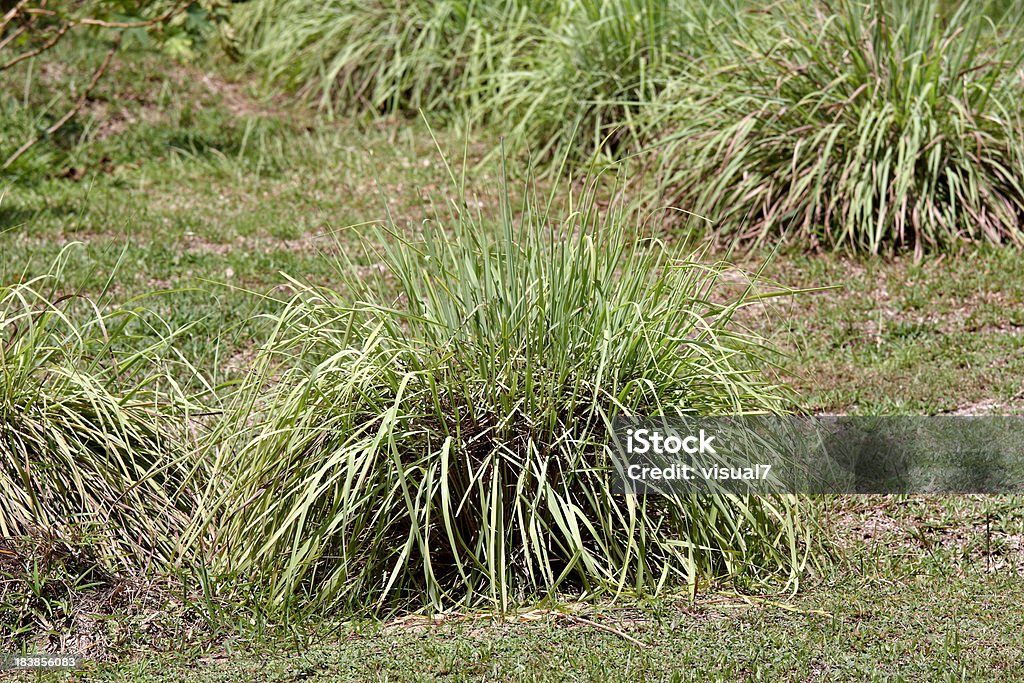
{"type": "Point", "coordinates": [94, 434]}
{"type": "Point", "coordinates": [437, 436]}
{"type": "Point", "coordinates": [871, 126]}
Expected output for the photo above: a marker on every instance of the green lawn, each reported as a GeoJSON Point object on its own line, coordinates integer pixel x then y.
{"type": "Point", "coordinates": [209, 202]}
{"type": "Point", "coordinates": [929, 590]}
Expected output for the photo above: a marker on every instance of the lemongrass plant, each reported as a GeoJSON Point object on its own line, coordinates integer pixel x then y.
{"type": "Point", "coordinates": [880, 125]}
{"type": "Point", "coordinates": [437, 436]}
{"type": "Point", "coordinates": [597, 67]}
{"type": "Point", "coordinates": [93, 426]}
{"type": "Point", "coordinates": [558, 76]}
{"type": "Point", "coordinates": [387, 56]}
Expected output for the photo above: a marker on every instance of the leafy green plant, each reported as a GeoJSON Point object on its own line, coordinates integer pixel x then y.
{"type": "Point", "coordinates": [880, 125]}
{"type": "Point", "coordinates": [437, 436]}
{"type": "Point", "coordinates": [92, 431]}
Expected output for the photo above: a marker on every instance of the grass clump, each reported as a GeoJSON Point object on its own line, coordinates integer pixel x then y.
{"type": "Point", "coordinates": [593, 68]}
{"type": "Point", "coordinates": [385, 56]}
{"type": "Point", "coordinates": [880, 125]}
{"type": "Point", "coordinates": [437, 436]}
{"type": "Point", "coordinates": [554, 75]}
{"type": "Point", "coordinates": [92, 431]}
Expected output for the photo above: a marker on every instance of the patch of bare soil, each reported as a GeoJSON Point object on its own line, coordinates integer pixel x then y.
{"type": "Point", "coordinates": [989, 406]}
{"type": "Point", "coordinates": [55, 597]}
{"type": "Point", "coordinates": [309, 243]}
{"type": "Point", "coordinates": [111, 122]}
{"type": "Point", "coordinates": [922, 525]}
{"type": "Point", "coordinates": [146, 107]}
{"type": "Point", "coordinates": [236, 98]}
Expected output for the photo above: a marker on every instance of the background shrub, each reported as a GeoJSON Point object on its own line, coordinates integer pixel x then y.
{"type": "Point", "coordinates": [386, 56]}
{"type": "Point", "coordinates": [592, 70]}
{"type": "Point", "coordinates": [553, 75]}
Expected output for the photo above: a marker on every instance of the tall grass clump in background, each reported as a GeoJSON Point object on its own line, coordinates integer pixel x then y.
{"type": "Point", "coordinates": [880, 125]}
{"type": "Point", "coordinates": [595, 67]}
{"type": "Point", "coordinates": [386, 56]}
{"type": "Point", "coordinates": [436, 436]}
{"type": "Point", "coordinates": [93, 432]}
{"type": "Point", "coordinates": [556, 76]}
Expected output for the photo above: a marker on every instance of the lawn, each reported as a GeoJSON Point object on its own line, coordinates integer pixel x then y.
{"type": "Point", "coordinates": [929, 590]}
{"type": "Point", "coordinates": [189, 193]}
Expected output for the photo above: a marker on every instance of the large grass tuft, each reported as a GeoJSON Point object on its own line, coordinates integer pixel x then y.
{"type": "Point", "coordinates": [92, 427]}
{"type": "Point", "coordinates": [385, 56]}
{"type": "Point", "coordinates": [554, 75]}
{"type": "Point", "coordinates": [872, 126]}
{"type": "Point", "coordinates": [437, 436]}
{"type": "Point", "coordinates": [589, 74]}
